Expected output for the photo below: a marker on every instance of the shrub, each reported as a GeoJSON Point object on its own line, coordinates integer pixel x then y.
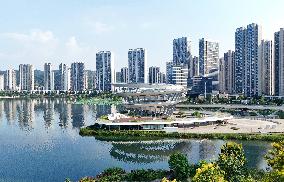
{"type": "Point", "coordinates": [179, 164]}
{"type": "Point", "coordinates": [209, 172]}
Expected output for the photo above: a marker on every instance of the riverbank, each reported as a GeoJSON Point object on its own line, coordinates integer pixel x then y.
{"type": "Point", "coordinates": [88, 98]}
{"type": "Point", "coordinates": [133, 135]}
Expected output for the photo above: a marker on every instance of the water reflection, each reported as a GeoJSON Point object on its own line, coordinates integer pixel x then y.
{"type": "Point", "coordinates": [64, 111]}
{"type": "Point", "coordinates": [10, 109]}
{"type": "Point", "coordinates": [147, 152]}
{"type": "Point", "coordinates": [26, 114]}
{"type": "Point", "coordinates": [65, 114]}
{"type": "Point", "coordinates": [48, 112]}
{"type": "Point", "coordinates": [196, 150]}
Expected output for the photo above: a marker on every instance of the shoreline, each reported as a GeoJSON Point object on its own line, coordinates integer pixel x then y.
{"type": "Point", "coordinates": [134, 135]}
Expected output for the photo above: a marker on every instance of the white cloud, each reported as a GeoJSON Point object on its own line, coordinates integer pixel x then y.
{"type": "Point", "coordinates": [33, 36]}
{"type": "Point", "coordinates": [39, 46]}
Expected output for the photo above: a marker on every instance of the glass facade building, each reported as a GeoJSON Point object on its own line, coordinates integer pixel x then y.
{"type": "Point", "coordinates": [247, 43]}
{"type": "Point", "coordinates": [105, 70]}
{"type": "Point", "coordinates": [279, 62]}
{"type": "Point", "coordinates": [78, 76]}
{"type": "Point", "coordinates": [137, 65]}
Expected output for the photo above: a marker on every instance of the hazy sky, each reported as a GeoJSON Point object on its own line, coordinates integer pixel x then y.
{"type": "Point", "coordinates": [55, 31]}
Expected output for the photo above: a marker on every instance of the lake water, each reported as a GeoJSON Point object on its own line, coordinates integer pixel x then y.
{"type": "Point", "coordinates": [40, 141]}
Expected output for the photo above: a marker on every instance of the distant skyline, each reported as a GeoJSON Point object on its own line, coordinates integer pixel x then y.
{"type": "Point", "coordinates": [35, 32]}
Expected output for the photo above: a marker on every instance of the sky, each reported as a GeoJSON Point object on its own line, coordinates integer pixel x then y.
{"type": "Point", "coordinates": [55, 31]}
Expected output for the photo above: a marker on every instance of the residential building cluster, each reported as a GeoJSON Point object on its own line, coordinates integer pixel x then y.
{"type": "Point", "coordinates": [254, 68]}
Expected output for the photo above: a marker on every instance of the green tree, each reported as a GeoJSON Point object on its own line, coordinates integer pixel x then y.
{"type": "Point", "coordinates": [275, 157]}
{"type": "Point", "coordinates": [232, 161]}
{"type": "Point", "coordinates": [209, 172]}
{"type": "Point", "coordinates": [179, 164]}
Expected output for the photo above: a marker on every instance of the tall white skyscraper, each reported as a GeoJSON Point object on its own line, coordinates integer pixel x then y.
{"type": "Point", "coordinates": [208, 57]}
{"type": "Point", "coordinates": [247, 44]}
{"type": "Point", "coordinates": [154, 74]}
{"type": "Point", "coordinates": [267, 67]}
{"type": "Point", "coordinates": [279, 62]}
{"type": "Point", "coordinates": [137, 65]}
{"type": "Point", "coordinates": [209, 60]}
{"type": "Point", "coordinates": [10, 80]}
{"type": "Point", "coordinates": [77, 76]}
{"type": "Point", "coordinates": [26, 75]}
{"type": "Point", "coordinates": [48, 77]}
{"type": "Point", "coordinates": [105, 70]}
{"type": "Point", "coordinates": [64, 77]}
